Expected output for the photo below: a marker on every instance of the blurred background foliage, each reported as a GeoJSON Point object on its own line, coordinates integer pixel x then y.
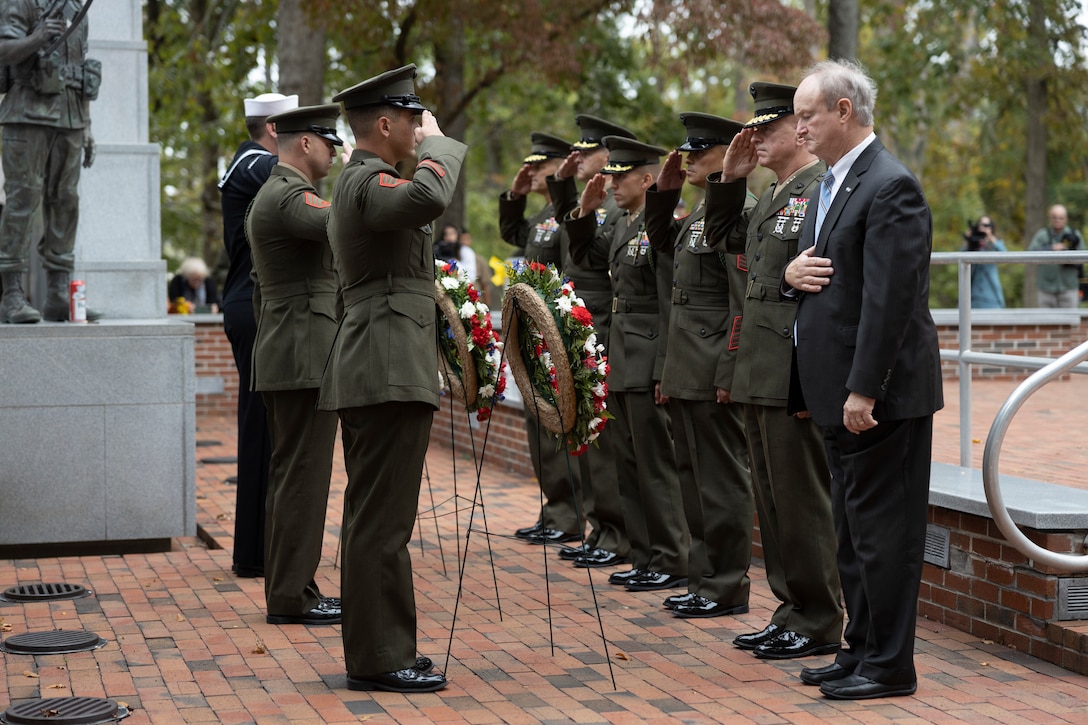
{"type": "Point", "coordinates": [985, 100]}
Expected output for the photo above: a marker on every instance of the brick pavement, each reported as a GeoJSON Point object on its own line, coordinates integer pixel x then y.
{"type": "Point", "coordinates": [187, 641]}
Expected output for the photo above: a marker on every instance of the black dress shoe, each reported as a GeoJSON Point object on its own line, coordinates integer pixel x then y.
{"type": "Point", "coordinates": [551, 536]}
{"type": "Point", "coordinates": [652, 581]}
{"type": "Point", "coordinates": [703, 607]}
{"type": "Point", "coordinates": [622, 577]}
{"type": "Point", "coordinates": [856, 687]}
{"type": "Point", "coordinates": [754, 639]}
{"type": "Point", "coordinates": [790, 644]}
{"type": "Point", "coordinates": [529, 530]}
{"type": "Point", "coordinates": [819, 675]}
{"type": "Point", "coordinates": [409, 680]}
{"type": "Point", "coordinates": [672, 601]}
{"type": "Point", "coordinates": [598, 558]}
{"type": "Point", "coordinates": [570, 553]}
{"type": "Point", "coordinates": [324, 613]}
{"type": "Point", "coordinates": [247, 572]}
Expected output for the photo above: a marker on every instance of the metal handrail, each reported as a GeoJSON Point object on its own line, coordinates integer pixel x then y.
{"type": "Point", "coordinates": [1068, 362]}
{"type": "Point", "coordinates": [992, 453]}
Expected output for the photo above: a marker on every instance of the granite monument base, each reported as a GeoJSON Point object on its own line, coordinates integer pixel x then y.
{"type": "Point", "coordinates": [97, 435]}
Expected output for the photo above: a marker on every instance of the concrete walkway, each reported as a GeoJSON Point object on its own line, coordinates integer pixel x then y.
{"type": "Point", "coordinates": [187, 641]}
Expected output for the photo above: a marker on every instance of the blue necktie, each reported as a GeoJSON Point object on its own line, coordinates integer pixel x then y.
{"type": "Point", "coordinates": [825, 201]}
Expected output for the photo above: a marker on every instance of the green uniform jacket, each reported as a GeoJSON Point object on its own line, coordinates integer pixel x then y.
{"type": "Point", "coordinates": [591, 283]}
{"type": "Point", "coordinates": [539, 237]}
{"type": "Point", "coordinates": [636, 311]}
{"type": "Point", "coordinates": [702, 321]}
{"type": "Point", "coordinates": [386, 348]}
{"type": "Point", "coordinates": [293, 268]}
{"type": "Point", "coordinates": [767, 237]}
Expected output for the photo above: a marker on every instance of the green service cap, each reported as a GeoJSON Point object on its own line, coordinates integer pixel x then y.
{"type": "Point", "coordinates": [625, 154]}
{"type": "Point", "coordinates": [320, 120]}
{"type": "Point", "coordinates": [546, 146]}
{"type": "Point", "coordinates": [594, 129]}
{"type": "Point", "coordinates": [773, 101]}
{"type": "Point", "coordinates": [705, 131]}
{"type": "Point", "coordinates": [393, 88]}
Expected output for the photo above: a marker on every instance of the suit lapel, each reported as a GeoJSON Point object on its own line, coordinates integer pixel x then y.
{"type": "Point", "coordinates": [842, 197]}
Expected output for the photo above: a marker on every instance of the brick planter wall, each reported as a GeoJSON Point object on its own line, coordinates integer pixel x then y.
{"type": "Point", "coordinates": [993, 591]}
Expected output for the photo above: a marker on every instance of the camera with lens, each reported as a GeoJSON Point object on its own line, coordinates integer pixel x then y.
{"type": "Point", "coordinates": [974, 237]}
{"type": "Point", "coordinates": [1069, 240]}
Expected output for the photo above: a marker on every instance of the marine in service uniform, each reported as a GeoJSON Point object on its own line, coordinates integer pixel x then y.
{"type": "Point", "coordinates": [646, 465]}
{"type": "Point", "coordinates": [540, 238]}
{"type": "Point", "coordinates": [709, 433]}
{"type": "Point", "coordinates": [296, 322]}
{"type": "Point", "coordinates": [786, 452]}
{"type": "Point", "coordinates": [607, 543]}
{"type": "Point", "coordinates": [248, 170]}
{"type": "Point", "coordinates": [382, 375]}
{"type": "Point", "coordinates": [48, 83]}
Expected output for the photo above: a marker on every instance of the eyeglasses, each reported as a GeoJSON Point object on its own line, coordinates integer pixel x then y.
{"type": "Point", "coordinates": [985, 225]}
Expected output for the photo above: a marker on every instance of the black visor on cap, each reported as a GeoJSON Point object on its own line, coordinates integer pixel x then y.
{"type": "Point", "coordinates": [328, 133]}
{"type": "Point", "coordinates": [696, 143]}
{"type": "Point", "coordinates": [407, 100]}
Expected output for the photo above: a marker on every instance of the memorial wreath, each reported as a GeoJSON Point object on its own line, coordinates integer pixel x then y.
{"type": "Point", "coordinates": [470, 353]}
{"type": "Point", "coordinates": [558, 364]}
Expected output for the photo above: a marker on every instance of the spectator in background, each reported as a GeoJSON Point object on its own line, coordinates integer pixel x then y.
{"type": "Point", "coordinates": [476, 267]}
{"type": "Point", "coordinates": [986, 292]}
{"type": "Point", "coordinates": [448, 245]}
{"type": "Point", "coordinates": [193, 284]}
{"type": "Point", "coordinates": [1057, 285]}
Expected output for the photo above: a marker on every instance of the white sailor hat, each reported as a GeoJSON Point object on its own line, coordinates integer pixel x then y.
{"type": "Point", "coordinates": [268, 104]}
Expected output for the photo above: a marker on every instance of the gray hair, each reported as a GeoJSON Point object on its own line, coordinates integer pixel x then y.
{"type": "Point", "coordinates": [846, 79]}
{"type": "Point", "coordinates": [193, 265]}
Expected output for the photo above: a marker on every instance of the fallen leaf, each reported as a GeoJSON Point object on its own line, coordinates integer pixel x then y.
{"type": "Point", "coordinates": [122, 703]}
{"type": "Point", "coordinates": [259, 649]}
{"type": "Point", "coordinates": [49, 712]}
{"type": "Point", "coordinates": [181, 618]}
{"type": "Point", "coordinates": [976, 440]}
{"type": "Point", "coordinates": [57, 686]}
{"type": "Point", "coordinates": [621, 656]}
{"type": "Point", "coordinates": [217, 578]}
{"type": "Point", "coordinates": [28, 673]}
{"type": "Point", "coordinates": [987, 641]}
{"type": "Point", "coordinates": [5, 627]}
{"type": "Point", "coordinates": [220, 517]}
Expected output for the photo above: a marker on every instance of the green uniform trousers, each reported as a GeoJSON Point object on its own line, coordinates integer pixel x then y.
{"type": "Point", "coordinates": [714, 434]}
{"type": "Point", "coordinates": [385, 446]}
{"type": "Point", "coordinates": [559, 476]}
{"type": "Point", "coordinates": [649, 488]}
{"type": "Point", "coordinates": [689, 495]}
{"type": "Point", "coordinates": [793, 499]}
{"type": "Point", "coordinates": [299, 472]}
{"type": "Point", "coordinates": [600, 481]}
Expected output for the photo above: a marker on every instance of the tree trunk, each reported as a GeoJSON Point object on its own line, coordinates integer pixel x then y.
{"type": "Point", "coordinates": [842, 29]}
{"type": "Point", "coordinates": [449, 84]}
{"type": "Point", "coordinates": [1035, 96]}
{"type": "Point", "coordinates": [301, 55]}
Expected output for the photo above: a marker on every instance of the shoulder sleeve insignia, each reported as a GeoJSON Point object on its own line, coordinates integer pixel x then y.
{"type": "Point", "coordinates": [433, 166]}
{"type": "Point", "coordinates": [315, 201]}
{"type": "Point", "coordinates": [391, 181]}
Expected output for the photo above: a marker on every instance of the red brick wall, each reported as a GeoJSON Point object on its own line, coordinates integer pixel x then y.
{"type": "Point", "coordinates": [1032, 340]}
{"type": "Point", "coordinates": [994, 592]}
{"type": "Point", "coordinates": [214, 359]}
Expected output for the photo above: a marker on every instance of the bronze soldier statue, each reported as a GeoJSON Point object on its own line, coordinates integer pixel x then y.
{"type": "Point", "coordinates": [48, 83]}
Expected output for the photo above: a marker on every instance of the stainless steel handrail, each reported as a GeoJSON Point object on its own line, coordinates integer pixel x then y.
{"type": "Point", "coordinates": [991, 477]}
{"type": "Point", "coordinates": [991, 455]}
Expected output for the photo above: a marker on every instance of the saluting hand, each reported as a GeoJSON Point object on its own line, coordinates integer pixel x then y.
{"type": "Point", "coordinates": [594, 194]}
{"type": "Point", "coordinates": [740, 157]}
{"type": "Point", "coordinates": [808, 272]}
{"type": "Point", "coordinates": [428, 126]}
{"type": "Point", "coordinates": [345, 153]}
{"type": "Point", "coordinates": [671, 176]}
{"type": "Point", "coordinates": [569, 167]}
{"type": "Point", "coordinates": [523, 181]}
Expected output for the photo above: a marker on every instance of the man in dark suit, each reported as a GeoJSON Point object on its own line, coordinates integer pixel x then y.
{"type": "Point", "coordinates": [246, 174]}
{"type": "Point", "coordinates": [382, 375]}
{"type": "Point", "coordinates": [869, 371]}
{"type": "Point", "coordinates": [296, 321]}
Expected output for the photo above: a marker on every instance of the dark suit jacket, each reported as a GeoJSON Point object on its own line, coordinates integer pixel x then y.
{"type": "Point", "coordinates": [870, 331]}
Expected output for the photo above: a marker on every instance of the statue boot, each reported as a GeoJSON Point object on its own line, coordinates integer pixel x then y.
{"type": "Point", "coordinates": [13, 305]}
{"type": "Point", "coordinates": [57, 303]}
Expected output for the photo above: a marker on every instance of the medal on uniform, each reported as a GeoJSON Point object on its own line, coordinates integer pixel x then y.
{"type": "Point", "coordinates": [695, 233]}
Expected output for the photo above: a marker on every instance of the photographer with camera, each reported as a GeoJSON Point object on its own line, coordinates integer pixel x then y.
{"type": "Point", "coordinates": [986, 292]}
{"type": "Point", "coordinates": [1058, 285]}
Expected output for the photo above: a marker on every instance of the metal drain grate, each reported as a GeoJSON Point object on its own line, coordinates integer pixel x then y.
{"type": "Point", "coordinates": [64, 710]}
{"type": "Point", "coordinates": [57, 641]}
{"type": "Point", "coordinates": [44, 592]}
{"type": "Point", "coordinates": [1072, 599]}
{"type": "Point", "coordinates": [938, 546]}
